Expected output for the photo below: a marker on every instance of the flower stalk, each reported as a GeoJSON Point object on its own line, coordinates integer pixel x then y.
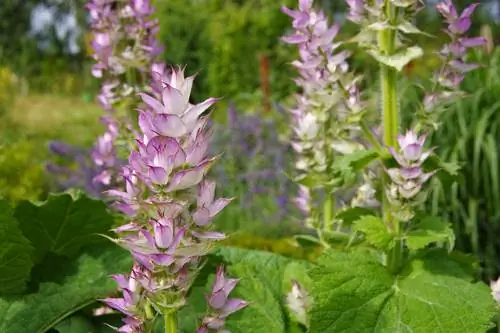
{"type": "Point", "coordinates": [390, 119]}
{"type": "Point", "coordinates": [170, 318]}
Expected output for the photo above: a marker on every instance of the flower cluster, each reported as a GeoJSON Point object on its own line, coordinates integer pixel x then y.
{"type": "Point", "coordinates": [329, 108]}
{"type": "Point", "coordinates": [452, 55]}
{"type": "Point", "coordinates": [220, 306]}
{"type": "Point", "coordinates": [408, 178]}
{"type": "Point", "coordinates": [169, 201]}
{"type": "Point", "coordinates": [125, 47]}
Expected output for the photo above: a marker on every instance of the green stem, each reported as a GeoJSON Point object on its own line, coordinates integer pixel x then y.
{"type": "Point", "coordinates": [171, 322]}
{"type": "Point", "coordinates": [328, 211]}
{"type": "Point", "coordinates": [390, 116]}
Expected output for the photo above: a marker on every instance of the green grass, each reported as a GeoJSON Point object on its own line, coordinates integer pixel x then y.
{"type": "Point", "coordinates": [26, 129]}
{"type": "Point", "coordinates": [47, 117]}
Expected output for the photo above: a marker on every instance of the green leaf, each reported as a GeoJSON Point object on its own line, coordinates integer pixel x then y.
{"type": "Point", "coordinates": [353, 292]}
{"type": "Point", "coordinates": [357, 160]}
{"type": "Point", "coordinates": [261, 284]}
{"type": "Point", "coordinates": [375, 231]}
{"type": "Point", "coordinates": [350, 214]}
{"type": "Point", "coordinates": [448, 172]}
{"type": "Point", "coordinates": [429, 230]}
{"type": "Point", "coordinates": [307, 240]}
{"type": "Point", "coordinates": [63, 224]}
{"type": "Point", "coordinates": [15, 253]}
{"type": "Point", "coordinates": [346, 166]}
{"type": "Point", "coordinates": [297, 271]}
{"type": "Point", "coordinates": [75, 324]}
{"type": "Point", "coordinates": [408, 28]}
{"type": "Point", "coordinates": [434, 162]}
{"type": "Point", "coordinates": [399, 59]}
{"type": "Point", "coordinates": [403, 3]}
{"type": "Point", "coordinates": [311, 180]}
{"type": "Point", "coordinates": [86, 280]}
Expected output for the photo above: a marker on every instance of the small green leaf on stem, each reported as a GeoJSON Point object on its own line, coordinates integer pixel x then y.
{"type": "Point", "coordinates": [375, 232]}
{"type": "Point", "coordinates": [398, 60]}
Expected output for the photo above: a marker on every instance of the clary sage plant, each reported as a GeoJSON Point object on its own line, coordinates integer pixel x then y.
{"type": "Point", "coordinates": [386, 265]}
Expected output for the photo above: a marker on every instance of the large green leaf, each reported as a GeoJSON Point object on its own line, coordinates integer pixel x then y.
{"type": "Point", "coordinates": [63, 224]}
{"type": "Point", "coordinates": [87, 279]}
{"type": "Point", "coordinates": [261, 284]}
{"type": "Point", "coordinates": [76, 324]}
{"type": "Point", "coordinates": [353, 293]}
{"type": "Point", "coordinates": [15, 253]}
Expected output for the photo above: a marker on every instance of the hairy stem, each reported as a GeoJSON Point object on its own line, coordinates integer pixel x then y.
{"type": "Point", "coordinates": [390, 116]}
{"type": "Point", "coordinates": [171, 322]}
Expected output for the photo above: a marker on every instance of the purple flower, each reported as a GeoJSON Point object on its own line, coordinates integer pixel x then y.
{"type": "Point", "coordinates": [409, 177]}
{"type": "Point", "coordinates": [357, 10]}
{"type": "Point", "coordinates": [454, 66]}
{"type": "Point", "coordinates": [220, 306]}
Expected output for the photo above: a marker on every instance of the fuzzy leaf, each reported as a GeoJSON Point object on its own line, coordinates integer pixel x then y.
{"type": "Point", "coordinates": [347, 166]}
{"type": "Point", "coordinates": [15, 253]}
{"type": "Point", "coordinates": [297, 271]}
{"type": "Point", "coordinates": [261, 284]}
{"type": "Point", "coordinates": [357, 160]}
{"type": "Point", "coordinates": [353, 292]}
{"type": "Point", "coordinates": [430, 229]}
{"type": "Point", "coordinates": [79, 284]}
{"type": "Point", "coordinates": [63, 224]}
{"type": "Point", "coordinates": [398, 60]}
{"type": "Point", "coordinates": [375, 231]}
{"type": "Point", "coordinates": [351, 214]}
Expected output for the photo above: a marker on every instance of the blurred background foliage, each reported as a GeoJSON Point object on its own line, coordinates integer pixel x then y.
{"type": "Point", "coordinates": [47, 93]}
